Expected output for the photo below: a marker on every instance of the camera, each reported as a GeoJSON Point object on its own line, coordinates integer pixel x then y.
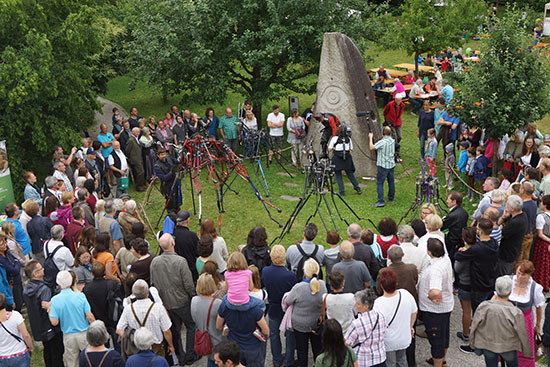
{"type": "Point", "coordinates": [346, 130]}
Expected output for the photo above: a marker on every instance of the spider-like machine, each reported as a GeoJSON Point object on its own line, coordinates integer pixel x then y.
{"type": "Point", "coordinates": [427, 191]}
{"type": "Point", "coordinates": [198, 154]}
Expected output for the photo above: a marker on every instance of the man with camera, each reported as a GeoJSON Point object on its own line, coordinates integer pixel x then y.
{"type": "Point", "coordinates": [166, 170]}
{"type": "Point", "coordinates": [385, 164]}
{"type": "Point", "coordinates": [330, 123]}
{"type": "Point", "coordinates": [341, 147]}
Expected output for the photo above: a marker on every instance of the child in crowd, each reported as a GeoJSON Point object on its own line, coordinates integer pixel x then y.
{"type": "Point", "coordinates": [507, 179]}
{"type": "Point", "coordinates": [388, 230]}
{"type": "Point", "coordinates": [64, 212]}
{"type": "Point", "coordinates": [450, 163]}
{"type": "Point", "coordinates": [431, 152]}
{"type": "Point", "coordinates": [331, 254]}
{"type": "Point", "coordinates": [470, 169]}
{"type": "Point", "coordinates": [462, 159]}
{"type": "Point", "coordinates": [481, 167]}
{"type": "Point", "coordinates": [533, 175]}
{"type": "Point", "coordinates": [205, 248]}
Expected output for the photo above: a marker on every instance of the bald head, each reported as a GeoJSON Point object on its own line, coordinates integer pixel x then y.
{"type": "Point", "coordinates": [354, 232]}
{"type": "Point", "coordinates": [116, 145]}
{"type": "Point", "coordinates": [136, 131]}
{"type": "Point", "coordinates": [492, 214]}
{"type": "Point", "coordinates": [166, 242]}
{"type": "Point", "coordinates": [527, 189]}
{"type": "Point", "coordinates": [346, 250]}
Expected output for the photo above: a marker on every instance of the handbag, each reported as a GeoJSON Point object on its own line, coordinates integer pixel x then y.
{"type": "Point", "coordinates": [318, 330]}
{"type": "Point", "coordinates": [396, 309]}
{"type": "Point", "coordinates": [203, 343]}
{"type": "Point", "coordinates": [124, 181]}
{"type": "Point", "coordinates": [540, 349]}
{"type": "Point", "coordinates": [300, 133]}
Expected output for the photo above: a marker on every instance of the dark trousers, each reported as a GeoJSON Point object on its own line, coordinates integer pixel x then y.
{"type": "Point", "coordinates": [179, 316]}
{"type": "Point", "coordinates": [385, 96]}
{"type": "Point", "coordinates": [381, 175]}
{"type": "Point", "coordinates": [340, 182]}
{"type": "Point", "coordinates": [53, 351]}
{"type": "Point", "coordinates": [478, 297]}
{"type": "Point", "coordinates": [411, 350]}
{"type": "Point", "coordinates": [417, 104]}
{"type": "Point", "coordinates": [17, 291]}
{"type": "Point", "coordinates": [302, 346]}
{"type": "Point", "coordinates": [422, 136]}
{"type": "Point", "coordinates": [139, 174]}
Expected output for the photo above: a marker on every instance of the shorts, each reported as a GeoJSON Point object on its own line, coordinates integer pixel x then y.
{"type": "Point", "coordinates": [276, 141]}
{"type": "Point", "coordinates": [464, 295]}
{"type": "Point", "coordinates": [437, 329]}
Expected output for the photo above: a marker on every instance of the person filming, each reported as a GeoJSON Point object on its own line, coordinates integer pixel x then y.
{"type": "Point", "coordinates": [341, 147]}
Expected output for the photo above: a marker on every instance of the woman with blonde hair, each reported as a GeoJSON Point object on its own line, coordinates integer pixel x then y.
{"type": "Point", "coordinates": [433, 225]}
{"type": "Point", "coordinates": [99, 212]}
{"type": "Point", "coordinates": [8, 228]}
{"type": "Point", "coordinates": [427, 209]}
{"type": "Point", "coordinates": [307, 299]}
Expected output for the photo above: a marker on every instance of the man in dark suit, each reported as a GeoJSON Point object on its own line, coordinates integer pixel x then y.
{"type": "Point", "coordinates": [125, 135]}
{"type": "Point", "coordinates": [454, 222]}
{"type": "Point", "coordinates": [135, 157]}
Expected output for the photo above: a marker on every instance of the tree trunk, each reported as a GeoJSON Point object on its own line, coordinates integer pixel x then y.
{"type": "Point", "coordinates": [416, 64]}
{"type": "Point", "coordinates": [257, 110]}
{"type": "Point", "coordinates": [164, 99]}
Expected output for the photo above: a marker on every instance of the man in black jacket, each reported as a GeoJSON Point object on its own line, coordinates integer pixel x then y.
{"type": "Point", "coordinates": [166, 170]}
{"type": "Point", "coordinates": [515, 225]}
{"type": "Point", "coordinates": [362, 252]}
{"type": "Point", "coordinates": [186, 242]}
{"type": "Point", "coordinates": [37, 296]}
{"type": "Point", "coordinates": [454, 222]}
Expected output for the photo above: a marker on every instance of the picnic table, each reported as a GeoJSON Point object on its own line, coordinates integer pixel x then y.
{"type": "Point", "coordinates": [386, 81]}
{"type": "Point", "coordinates": [474, 58]}
{"type": "Point", "coordinates": [407, 88]}
{"type": "Point", "coordinates": [428, 95]}
{"type": "Point", "coordinates": [392, 72]}
{"type": "Point", "coordinates": [424, 68]}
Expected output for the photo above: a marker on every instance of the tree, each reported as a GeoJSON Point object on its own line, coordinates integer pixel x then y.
{"type": "Point", "coordinates": [50, 75]}
{"type": "Point", "coordinates": [425, 27]}
{"type": "Point", "coordinates": [510, 87]}
{"type": "Point", "coordinates": [260, 49]}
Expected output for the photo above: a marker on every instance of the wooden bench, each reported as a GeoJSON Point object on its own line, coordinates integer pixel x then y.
{"type": "Point", "coordinates": [392, 72]}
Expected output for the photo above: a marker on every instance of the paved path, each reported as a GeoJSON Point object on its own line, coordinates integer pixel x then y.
{"type": "Point", "coordinates": [105, 116]}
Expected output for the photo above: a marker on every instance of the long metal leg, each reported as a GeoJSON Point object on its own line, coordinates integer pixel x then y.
{"type": "Point", "coordinates": [329, 211]}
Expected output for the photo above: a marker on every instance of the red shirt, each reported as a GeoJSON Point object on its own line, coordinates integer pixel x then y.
{"type": "Point", "coordinates": [393, 113]}
{"type": "Point", "coordinates": [73, 234]}
{"type": "Point", "coordinates": [385, 245]}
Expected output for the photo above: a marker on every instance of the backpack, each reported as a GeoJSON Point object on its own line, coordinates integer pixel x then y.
{"type": "Point", "coordinates": [305, 257]}
{"type": "Point", "coordinates": [114, 305]}
{"type": "Point", "coordinates": [50, 269]}
{"type": "Point", "coordinates": [127, 346]}
{"type": "Point", "coordinates": [203, 343]}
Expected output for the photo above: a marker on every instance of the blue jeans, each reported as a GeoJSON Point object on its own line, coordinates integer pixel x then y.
{"type": "Point", "coordinates": [491, 358]}
{"type": "Point", "coordinates": [211, 363]}
{"type": "Point", "coordinates": [417, 104]}
{"type": "Point", "coordinates": [381, 175]}
{"type": "Point", "coordinates": [276, 345]}
{"type": "Point", "coordinates": [252, 358]}
{"type": "Point", "coordinates": [422, 136]}
{"type": "Point", "coordinates": [23, 360]}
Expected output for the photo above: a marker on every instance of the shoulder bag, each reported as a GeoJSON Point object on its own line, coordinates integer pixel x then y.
{"type": "Point", "coordinates": [203, 343]}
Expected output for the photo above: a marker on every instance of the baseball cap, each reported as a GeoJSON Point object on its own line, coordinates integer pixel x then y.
{"type": "Point", "coordinates": [183, 215]}
{"type": "Point", "coordinates": [464, 144]}
{"type": "Point", "coordinates": [91, 151]}
{"type": "Point", "coordinates": [125, 196]}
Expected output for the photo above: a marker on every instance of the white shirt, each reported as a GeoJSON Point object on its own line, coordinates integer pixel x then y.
{"type": "Point", "coordinates": [423, 242]}
{"type": "Point", "coordinates": [483, 203]}
{"type": "Point", "coordinates": [524, 298]}
{"type": "Point", "coordinates": [63, 176]}
{"type": "Point", "coordinates": [398, 335]}
{"type": "Point", "coordinates": [414, 255]}
{"type": "Point", "coordinates": [438, 275]}
{"type": "Point", "coordinates": [276, 131]}
{"type": "Point", "coordinates": [251, 125]}
{"type": "Point", "coordinates": [152, 290]}
{"type": "Point", "coordinates": [415, 91]}
{"type": "Point", "coordinates": [63, 258]}
{"type": "Point", "coordinates": [122, 157]}
{"type": "Point", "coordinates": [157, 322]}
{"type": "Point", "coordinates": [340, 147]}
{"type": "Point", "coordinates": [341, 307]}
{"type": "Point", "coordinates": [220, 254]}
{"type": "Point", "coordinates": [540, 222]}
{"type": "Point", "coordinates": [8, 344]}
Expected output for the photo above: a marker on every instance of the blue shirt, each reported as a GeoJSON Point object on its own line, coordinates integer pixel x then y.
{"type": "Point", "coordinates": [144, 358]}
{"type": "Point", "coordinates": [70, 309]}
{"type": "Point", "coordinates": [21, 236]}
{"type": "Point", "coordinates": [241, 325]}
{"type": "Point", "coordinates": [114, 229]}
{"type": "Point", "coordinates": [213, 127]}
{"type": "Point", "coordinates": [447, 93]}
{"type": "Point", "coordinates": [5, 286]}
{"type": "Point", "coordinates": [455, 120]}
{"type": "Point", "coordinates": [277, 281]}
{"type": "Point", "coordinates": [105, 138]}
{"type": "Point", "coordinates": [425, 121]}
{"type": "Point", "coordinates": [168, 225]}
{"type": "Point", "coordinates": [462, 160]}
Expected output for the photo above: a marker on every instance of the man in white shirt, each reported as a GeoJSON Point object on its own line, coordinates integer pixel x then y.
{"type": "Point", "coordinates": [436, 300]}
{"type": "Point", "coordinates": [62, 258]}
{"type": "Point", "coordinates": [60, 174]}
{"type": "Point", "coordinates": [118, 164]}
{"type": "Point", "coordinates": [411, 254]}
{"type": "Point", "coordinates": [275, 122]}
{"type": "Point", "coordinates": [490, 184]}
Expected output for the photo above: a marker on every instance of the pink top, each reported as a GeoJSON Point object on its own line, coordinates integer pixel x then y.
{"type": "Point", "coordinates": [237, 286]}
{"type": "Point", "coordinates": [399, 88]}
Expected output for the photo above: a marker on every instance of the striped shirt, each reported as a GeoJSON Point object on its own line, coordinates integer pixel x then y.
{"type": "Point", "coordinates": [496, 234]}
{"type": "Point", "coordinates": [385, 148]}
{"type": "Point", "coordinates": [366, 336]}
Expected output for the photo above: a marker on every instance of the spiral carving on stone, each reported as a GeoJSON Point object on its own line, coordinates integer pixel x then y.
{"type": "Point", "coordinates": [334, 97]}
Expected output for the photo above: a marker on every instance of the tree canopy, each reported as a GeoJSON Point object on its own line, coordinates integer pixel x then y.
{"type": "Point", "coordinates": [425, 27]}
{"type": "Point", "coordinates": [510, 87]}
{"type": "Point", "coordinates": [50, 75]}
{"type": "Point", "coordinates": [259, 48]}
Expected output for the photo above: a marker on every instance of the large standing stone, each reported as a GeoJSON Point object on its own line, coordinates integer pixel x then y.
{"type": "Point", "coordinates": [343, 89]}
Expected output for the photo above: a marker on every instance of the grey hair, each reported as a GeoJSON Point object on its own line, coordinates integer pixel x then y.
{"type": "Point", "coordinates": [346, 250]}
{"type": "Point", "coordinates": [503, 286]}
{"type": "Point", "coordinates": [97, 334]}
{"type": "Point", "coordinates": [354, 231]}
{"type": "Point", "coordinates": [57, 232]}
{"type": "Point", "coordinates": [515, 202]}
{"type": "Point", "coordinates": [109, 206]}
{"type": "Point", "coordinates": [418, 81]}
{"type": "Point", "coordinates": [395, 253]}
{"type": "Point", "coordinates": [140, 289]}
{"type": "Point", "coordinates": [406, 232]}
{"type": "Point", "coordinates": [56, 165]}
{"type": "Point", "coordinates": [135, 129]}
{"type": "Point", "coordinates": [118, 204]}
{"type": "Point", "coordinates": [445, 82]}
{"type": "Point", "coordinates": [498, 196]}
{"type": "Point", "coordinates": [143, 338]}
{"type": "Point", "coordinates": [50, 181]}
{"type": "Point", "coordinates": [145, 130]}
{"type": "Point", "coordinates": [64, 279]}
{"type": "Point", "coordinates": [82, 193]}
{"type": "Point", "coordinates": [80, 181]}
{"type": "Point", "coordinates": [365, 297]}
{"type": "Point", "coordinates": [130, 206]}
